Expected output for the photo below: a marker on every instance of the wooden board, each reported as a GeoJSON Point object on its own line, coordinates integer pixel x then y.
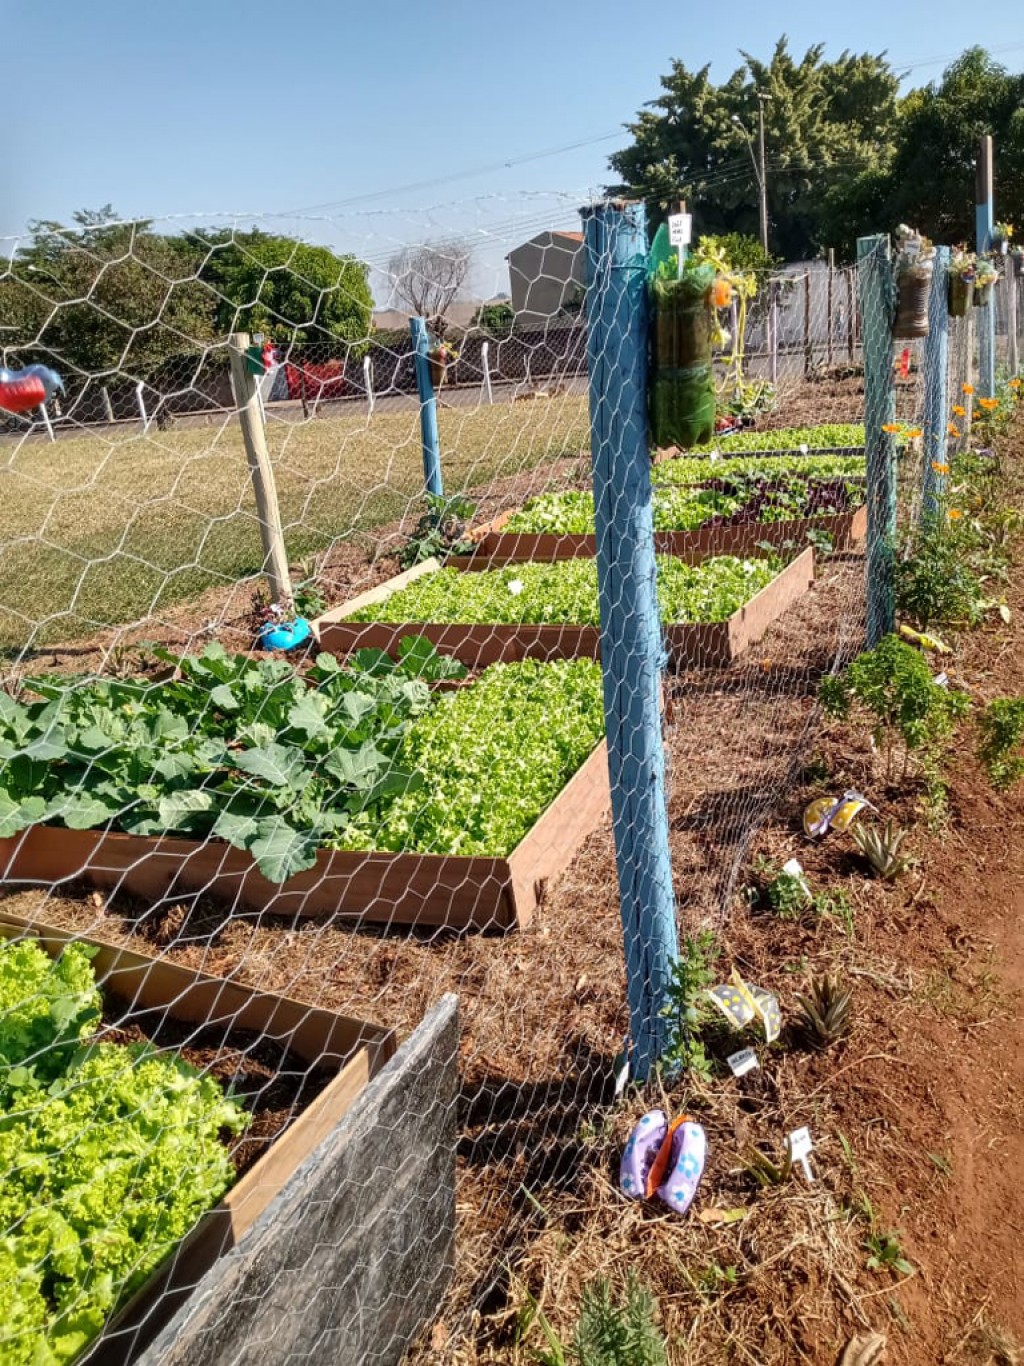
{"type": "Point", "coordinates": [355, 1050]}
{"type": "Point", "coordinates": [461, 892]}
{"type": "Point", "coordinates": [354, 1255]}
{"type": "Point", "coordinates": [712, 645]}
{"type": "Point", "coordinates": [496, 547]}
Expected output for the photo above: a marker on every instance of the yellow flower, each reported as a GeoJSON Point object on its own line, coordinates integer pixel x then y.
{"type": "Point", "coordinates": [988, 403]}
{"type": "Point", "coordinates": [959, 410]}
{"type": "Point", "coordinates": [953, 429]}
{"type": "Point", "coordinates": [1014, 383]}
{"type": "Point", "coordinates": [955, 512]}
{"type": "Point", "coordinates": [892, 427]}
{"type": "Point", "coordinates": [968, 388]}
{"type": "Point", "coordinates": [939, 469]}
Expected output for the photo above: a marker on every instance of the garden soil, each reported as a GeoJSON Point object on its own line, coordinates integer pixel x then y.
{"type": "Point", "coordinates": [917, 1118]}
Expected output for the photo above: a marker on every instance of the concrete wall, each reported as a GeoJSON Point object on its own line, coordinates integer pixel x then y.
{"type": "Point", "coordinates": [545, 273]}
{"type": "Point", "coordinates": [351, 1259]}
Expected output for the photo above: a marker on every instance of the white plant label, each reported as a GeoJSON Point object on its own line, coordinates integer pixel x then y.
{"type": "Point", "coordinates": [743, 1062]}
{"type": "Point", "coordinates": [800, 1147]}
{"type": "Point", "coordinates": [680, 229]}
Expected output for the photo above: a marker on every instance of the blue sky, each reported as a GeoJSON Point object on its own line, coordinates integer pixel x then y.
{"type": "Point", "coordinates": [342, 109]}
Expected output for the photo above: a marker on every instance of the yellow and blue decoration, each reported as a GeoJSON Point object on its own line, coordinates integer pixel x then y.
{"type": "Point", "coordinates": [741, 1002]}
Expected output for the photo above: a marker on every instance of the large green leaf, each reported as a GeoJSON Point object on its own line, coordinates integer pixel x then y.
{"type": "Point", "coordinates": [178, 810]}
{"type": "Point", "coordinates": [16, 816]}
{"type": "Point", "coordinates": [237, 827]}
{"type": "Point", "coordinates": [85, 810]}
{"type": "Point", "coordinates": [358, 768]}
{"type": "Point", "coordinates": [282, 765]}
{"type": "Point", "coordinates": [307, 715]}
{"type": "Point", "coordinates": [281, 851]}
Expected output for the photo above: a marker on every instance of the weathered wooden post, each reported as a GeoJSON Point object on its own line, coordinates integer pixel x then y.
{"type": "Point", "coordinates": [984, 211]}
{"type": "Point", "coordinates": [936, 390]}
{"type": "Point", "coordinates": [877, 292]}
{"type": "Point", "coordinates": [428, 408]}
{"type": "Point", "coordinates": [247, 401]}
{"type": "Point", "coordinates": [1012, 343]}
{"type": "Point", "coordinates": [830, 358]}
{"type": "Point", "coordinates": [632, 653]}
{"type": "Point", "coordinates": [808, 345]}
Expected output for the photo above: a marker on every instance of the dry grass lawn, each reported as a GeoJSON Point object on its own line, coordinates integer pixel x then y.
{"type": "Point", "coordinates": [105, 530]}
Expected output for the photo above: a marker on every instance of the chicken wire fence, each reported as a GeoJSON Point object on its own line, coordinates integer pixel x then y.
{"type": "Point", "coordinates": [285, 856]}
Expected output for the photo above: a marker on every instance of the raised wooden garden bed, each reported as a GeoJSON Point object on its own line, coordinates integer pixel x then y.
{"type": "Point", "coordinates": [495, 546]}
{"type": "Point", "coordinates": [352, 1053]}
{"type": "Point", "coordinates": [457, 892]}
{"type": "Point", "coordinates": [708, 644]}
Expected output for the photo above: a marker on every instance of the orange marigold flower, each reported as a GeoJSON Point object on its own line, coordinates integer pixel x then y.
{"type": "Point", "coordinates": [953, 429]}
{"type": "Point", "coordinates": [968, 388]}
{"type": "Point", "coordinates": [959, 410]}
{"type": "Point", "coordinates": [892, 427]}
{"type": "Point", "coordinates": [988, 403]}
{"type": "Point", "coordinates": [939, 469]}
{"type": "Point", "coordinates": [914, 433]}
{"type": "Point", "coordinates": [1014, 383]}
{"type": "Point", "coordinates": [955, 512]}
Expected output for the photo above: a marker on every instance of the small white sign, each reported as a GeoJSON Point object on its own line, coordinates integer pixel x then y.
{"type": "Point", "coordinates": [800, 1147]}
{"type": "Point", "coordinates": [743, 1062]}
{"type": "Point", "coordinates": [680, 229]}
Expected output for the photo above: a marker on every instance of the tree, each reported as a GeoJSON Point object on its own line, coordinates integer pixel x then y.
{"type": "Point", "coordinates": [287, 289]}
{"type": "Point", "coordinates": [497, 318]}
{"type": "Point", "coordinates": [931, 182]}
{"type": "Point", "coordinates": [824, 123]}
{"type": "Point", "coordinates": [104, 297]}
{"type": "Point", "coordinates": [428, 278]}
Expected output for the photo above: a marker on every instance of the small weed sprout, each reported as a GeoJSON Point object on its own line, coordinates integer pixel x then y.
{"type": "Point", "coordinates": [885, 1253]}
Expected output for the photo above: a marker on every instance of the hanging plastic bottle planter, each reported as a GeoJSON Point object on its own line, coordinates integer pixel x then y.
{"type": "Point", "coordinates": [915, 261]}
{"type": "Point", "coordinates": [962, 271]}
{"type": "Point", "coordinates": [984, 280]}
{"type": "Point", "coordinates": [681, 390]}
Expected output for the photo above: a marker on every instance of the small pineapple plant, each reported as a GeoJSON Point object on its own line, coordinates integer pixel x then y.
{"type": "Point", "coordinates": [881, 848]}
{"type": "Point", "coordinates": [825, 1011]}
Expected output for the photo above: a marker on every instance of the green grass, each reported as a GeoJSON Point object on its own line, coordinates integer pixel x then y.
{"type": "Point", "coordinates": [99, 531]}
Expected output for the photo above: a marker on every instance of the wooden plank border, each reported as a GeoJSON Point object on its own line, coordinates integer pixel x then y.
{"type": "Point", "coordinates": [463, 892]}
{"type": "Point", "coordinates": [711, 644]}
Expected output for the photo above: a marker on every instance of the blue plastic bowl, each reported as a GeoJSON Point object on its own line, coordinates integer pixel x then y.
{"type": "Point", "coordinates": [285, 636]}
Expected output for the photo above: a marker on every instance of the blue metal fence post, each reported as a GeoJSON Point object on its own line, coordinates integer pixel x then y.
{"type": "Point", "coordinates": [877, 305]}
{"type": "Point", "coordinates": [984, 218]}
{"type": "Point", "coordinates": [632, 652]}
{"type": "Point", "coordinates": [428, 408]}
{"type": "Point", "coordinates": [936, 387]}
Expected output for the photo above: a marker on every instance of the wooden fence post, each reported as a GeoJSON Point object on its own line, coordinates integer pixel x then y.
{"type": "Point", "coordinates": [830, 357]}
{"type": "Point", "coordinates": [808, 348]}
{"type": "Point", "coordinates": [247, 401]}
{"type": "Point", "coordinates": [936, 387]}
{"type": "Point", "coordinates": [368, 384]}
{"type": "Point", "coordinates": [851, 321]}
{"type": "Point", "coordinates": [632, 651]}
{"type": "Point", "coordinates": [428, 409]}
{"type": "Point", "coordinates": [877, 293]}
{"type": "Point", "coordinates": [984, 212]}
{"type": "Point", "coordinates": [1012, 344]}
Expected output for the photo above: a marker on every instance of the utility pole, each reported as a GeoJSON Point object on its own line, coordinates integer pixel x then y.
{"type": "Point", "coordinates": [762, 181]}
{"type": "Point", "coordinates": [984, 216]}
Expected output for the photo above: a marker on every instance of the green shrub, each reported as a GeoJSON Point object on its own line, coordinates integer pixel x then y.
{"type": "Point", "coordinates": [1001, 726]}
{"type": "Point", "coordinates": [893, 684]}
{"type": "Point", "coordinates": [935, 581]}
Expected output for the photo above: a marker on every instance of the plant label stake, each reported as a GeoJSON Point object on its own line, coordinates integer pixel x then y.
{"type": "Point", "coordinates": [800, 1146]}
{"type": "Point", "coordinates": [742, 1062]}
{"type": "Point", "coordinates": [680, 234]}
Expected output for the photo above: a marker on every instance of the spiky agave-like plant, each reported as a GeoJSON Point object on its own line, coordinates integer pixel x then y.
{"type": "Point", "coordinates": [825, 1010]}
{"type": "Point", "coordinates": [881, 848]}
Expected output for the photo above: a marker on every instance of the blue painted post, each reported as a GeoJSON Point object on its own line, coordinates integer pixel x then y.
{"type": "Point", "coordinates": [428, 408]}
{"type": "Point", "coordinates": [984, 218]}
{"type": "Point", "coordinates": [877, 305]}
{"type": "Point", "coordinates": [936, 389]}
{"type": "Point", "coordinates": [632, 653]}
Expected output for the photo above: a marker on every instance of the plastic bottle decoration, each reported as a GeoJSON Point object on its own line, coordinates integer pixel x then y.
{"type": "Point", "coordinates": [986, 277]}
{"type": "Point", "coordinates": [23, 390]}
{"type": "Point", "coordinates": [962, 272]}
{"type": "Point", "coordinates": [439, 358]}
{"type": "Point", "coordinates": [681, 388]}
{"type": "Point", "coordinates": [662, 1159]}
{"type": "Point", "coordinates": [915, 261]}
